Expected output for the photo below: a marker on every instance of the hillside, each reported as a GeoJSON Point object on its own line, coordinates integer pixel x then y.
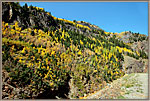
{"type": "Point", "coordinates": [48, 57]}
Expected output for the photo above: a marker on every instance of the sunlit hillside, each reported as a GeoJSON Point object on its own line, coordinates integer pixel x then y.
{"type": "Point", "coordinates": [48, 57]}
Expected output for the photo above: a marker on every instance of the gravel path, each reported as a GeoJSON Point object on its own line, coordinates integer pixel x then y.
{"type": "Point", "coordinates": [140, 89]}
{"type": "Point", "coordinates": [132, 86]}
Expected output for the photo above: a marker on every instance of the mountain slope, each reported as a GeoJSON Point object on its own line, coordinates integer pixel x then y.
{"type": "Point", "coordinates": [43, 55]}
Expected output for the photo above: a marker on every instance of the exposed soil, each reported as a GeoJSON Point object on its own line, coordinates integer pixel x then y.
{"type": "Point", "coordinates": [131, 86]}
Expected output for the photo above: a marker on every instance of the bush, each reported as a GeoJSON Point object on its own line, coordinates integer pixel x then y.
{"type": "Point", "coordinates": [46, 29]}
{"type": "Point", "coordinates": [32, 33]}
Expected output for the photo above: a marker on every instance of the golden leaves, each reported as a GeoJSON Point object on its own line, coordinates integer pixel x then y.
{"type": "Point", "coordinates": [53, 52]}
{"type": "Point", "coordinates": [79, 53]}
{"type": "Point", "coordinates": [81, 42]}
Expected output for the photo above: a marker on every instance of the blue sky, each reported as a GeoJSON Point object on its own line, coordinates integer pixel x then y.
{"type": "Point", "coordinates": [110, 16]}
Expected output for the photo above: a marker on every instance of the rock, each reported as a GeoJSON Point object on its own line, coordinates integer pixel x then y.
{"type": "Point", "coordinates": [5, 11]}
{"type": "Point", "coordinates": [26, 17]}
{"type": "Point", "coordinates": [131, 65]}
{"type": "Point", "coordinates": [141, 45]}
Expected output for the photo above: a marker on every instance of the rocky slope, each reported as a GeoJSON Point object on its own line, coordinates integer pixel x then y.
{"type": "Point", "coordinates": [26, 17]}
{"type": "Point", "coordinates": [43, 55]}
{"type": "Point", "coordinates": [131, 65]}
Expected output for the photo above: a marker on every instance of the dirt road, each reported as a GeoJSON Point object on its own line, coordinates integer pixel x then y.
{"type": "Point", "coordinates": [131, 86]}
